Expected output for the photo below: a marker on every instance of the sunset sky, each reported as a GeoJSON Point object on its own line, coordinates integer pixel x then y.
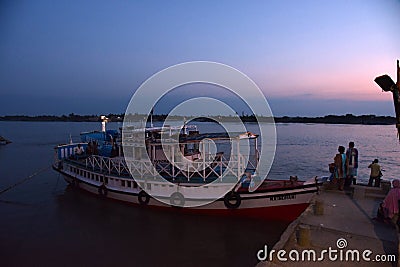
{"type": "Point", "coordinates": [309, 58]}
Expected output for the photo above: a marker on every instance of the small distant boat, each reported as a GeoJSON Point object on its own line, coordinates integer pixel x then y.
{"type": "Point", "coordinates": [4, 141]}
{"type": "Point", "coordinates": [248, 135]}
{"type": "Point", "coordinates": [107, 170]}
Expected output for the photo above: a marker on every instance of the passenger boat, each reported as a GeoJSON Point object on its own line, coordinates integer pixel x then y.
{"type": "Point", "coordinates": [183, 174]}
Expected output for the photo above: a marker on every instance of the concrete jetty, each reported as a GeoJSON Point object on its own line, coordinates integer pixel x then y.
{"type": "Point", "coordinates": [341, 223]}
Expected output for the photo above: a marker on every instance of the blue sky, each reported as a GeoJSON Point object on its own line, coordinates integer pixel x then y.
{"type": "Point", "coordinates": [309, 58]}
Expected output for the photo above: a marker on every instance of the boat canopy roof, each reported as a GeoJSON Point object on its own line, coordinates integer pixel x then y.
{"type": "Point", "coordinates": [107, 136]}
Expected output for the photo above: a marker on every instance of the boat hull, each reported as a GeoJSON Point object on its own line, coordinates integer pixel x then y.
{"type": "Point", "coordinates": [281, 205]}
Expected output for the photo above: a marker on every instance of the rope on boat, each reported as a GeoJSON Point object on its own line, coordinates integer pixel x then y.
{"type": "Point", "coordinates": [25, 179]}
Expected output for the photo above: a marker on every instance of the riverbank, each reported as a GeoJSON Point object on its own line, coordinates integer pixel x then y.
{"type": "Point", "coordinates": [329, 119]}
{"type": "Point", "coordinates": [339, 221]}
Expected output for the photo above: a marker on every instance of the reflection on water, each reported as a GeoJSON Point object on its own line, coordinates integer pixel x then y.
{"type": "Point", "coordinates": [45, 222]}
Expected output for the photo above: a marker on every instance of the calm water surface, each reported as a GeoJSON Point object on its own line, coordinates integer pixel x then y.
{"type": "Point", "coordinates": [44, 222]}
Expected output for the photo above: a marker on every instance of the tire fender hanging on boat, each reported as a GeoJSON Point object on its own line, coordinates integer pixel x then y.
{"type": "Point", "coordinates": [232, 200]}
{"type": "Point", "coordinates": [103, 190]}
{"type": "Point", "coordinates": [177, 199]}
{"type": "Point", "coordinates": [143, 198]}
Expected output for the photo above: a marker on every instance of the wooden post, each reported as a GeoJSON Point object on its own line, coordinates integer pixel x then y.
{"type": "Point", "coordinates": [304, 236]}
{"type": "Point", "coordinates": [398, 74]}
{"type": "Point", "coordinates": [319, 207]}
{"type": "Point", "coordinates": [396, 100]}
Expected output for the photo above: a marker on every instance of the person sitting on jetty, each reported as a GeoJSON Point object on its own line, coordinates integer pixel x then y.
{"type": "Point", "coordinates": [389, 209]}
{"type": "Point", "coordinates": [375, 173]}
{"type": "Point", "coordinates": [340, 168]}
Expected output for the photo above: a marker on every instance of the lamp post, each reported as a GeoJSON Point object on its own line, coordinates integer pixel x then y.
{"type": "Point", "coordinates": [388, 85]}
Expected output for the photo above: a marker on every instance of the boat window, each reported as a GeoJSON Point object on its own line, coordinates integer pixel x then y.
{"type": "Point", "coordinates": [97, 178]}
{"type": "Point", "coordinates": [149, 186]}
{"type": "Point", "coordinates": [128, 183]}
{"type": "Point", "coordinates": [101, 179]}
{"type": "Point", "coordinates": [134, 185]}
{"type": "Point", "coordinates": [106, 180]}
{"type": "Point", "coordinates": [122, 182]}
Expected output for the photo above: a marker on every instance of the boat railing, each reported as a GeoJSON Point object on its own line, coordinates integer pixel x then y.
{"type": "Point", "coordinates": [219, 168]}
{"type": "Point", "coordinates": [108, 165]}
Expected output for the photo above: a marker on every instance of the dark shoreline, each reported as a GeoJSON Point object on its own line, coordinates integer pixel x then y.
{"type": "Point", "coordinates": [329, 119]}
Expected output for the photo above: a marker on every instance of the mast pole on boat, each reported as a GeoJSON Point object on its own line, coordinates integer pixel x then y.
{"type": "Point", "coordinates": [151, 117]}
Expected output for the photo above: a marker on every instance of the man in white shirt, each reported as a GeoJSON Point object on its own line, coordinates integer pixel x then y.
{"type": "Point", "coordinates": [79, 150]}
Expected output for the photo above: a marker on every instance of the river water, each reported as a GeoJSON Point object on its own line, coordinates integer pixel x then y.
{"type": "Point", "coordinates": [44, 222]}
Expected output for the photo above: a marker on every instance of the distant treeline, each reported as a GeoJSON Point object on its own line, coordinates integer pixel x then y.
{"type": "Point", "coordinates": [330, 119]}
{"type": "Point", "coordinates": [341, 119]}
{"type": "Point", "coordinates": [71, 117]}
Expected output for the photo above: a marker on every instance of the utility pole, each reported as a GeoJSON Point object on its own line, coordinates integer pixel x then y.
{"type": "Point", "coordinates": [388, 85]}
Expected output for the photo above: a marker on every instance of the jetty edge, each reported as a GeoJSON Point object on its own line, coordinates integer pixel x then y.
{"type": "Point", "coordinates": [346, 218]}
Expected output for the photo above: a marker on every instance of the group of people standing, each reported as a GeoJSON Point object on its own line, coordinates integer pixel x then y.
{"type": "Point", "coordinates": [346, 168]}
